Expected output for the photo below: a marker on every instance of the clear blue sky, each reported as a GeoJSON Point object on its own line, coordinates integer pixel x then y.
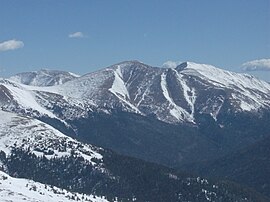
{"type": "Point", "coordinates": [222, 33]}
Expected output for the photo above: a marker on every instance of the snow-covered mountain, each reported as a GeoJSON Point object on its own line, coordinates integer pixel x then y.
{"type": "Point", "coordinates": [173, 95]}
{"type": "Point", "coordinates": [21, 190]}
{"type": "Point", "coordinates": [43, 77]}
{"type": "Point", "coordinates": [215, 101]}
{"type": "Point", "coordinates": [137, 110]}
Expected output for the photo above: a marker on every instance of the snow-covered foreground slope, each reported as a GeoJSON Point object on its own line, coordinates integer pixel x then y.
{"type": "Point", "coordinates": [21, 190]}
{"type": "Point", "coordinates": [41, 139]}
{"type": "Point", "coordinates": [170, 94]}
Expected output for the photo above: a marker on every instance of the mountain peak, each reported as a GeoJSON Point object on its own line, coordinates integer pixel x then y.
{"type": "Point", "coordinates": [172, 94]}
{"type": "Point", "coordinates": [130, 63]}
{"type": "Point", "coordinates": [43, 77]}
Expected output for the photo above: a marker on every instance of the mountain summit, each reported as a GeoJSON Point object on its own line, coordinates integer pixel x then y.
{"type": "Point", "coordinates": [172, 95]}
{"type": "Point", "coordinates": [43, 77]}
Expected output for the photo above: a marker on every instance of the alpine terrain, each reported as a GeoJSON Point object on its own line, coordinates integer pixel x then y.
{"type": "Point", "coordinates": [87, 133]}
{"type": "Point", "coordinates": [34, 150]}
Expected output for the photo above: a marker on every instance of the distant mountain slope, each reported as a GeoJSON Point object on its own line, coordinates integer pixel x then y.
{"type": "Point", "coordinates": [43, 77]}
{"type": "Point", "coordinates": [34, 150]}
{"type": "Point", "coordinates": [19, 190]}
{"type": "Point", "coordinates": [208, 107]}
{"type": "Point", "coordinates": [171, 95]}
{"type": "Point", "coordinates": [249, 166]}
{"type": "Point", "coordinates": [146, 138]}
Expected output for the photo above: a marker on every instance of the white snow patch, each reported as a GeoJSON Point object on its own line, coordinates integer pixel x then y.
{"type": "Point", "coordinates": [142, 97]}
{"type": "Point", "coordinates": [178, 112]}
{"type": "Point", "coordinates": [119, 86]}
{"type": "Point", "coordinates": [189, 93]}
{"type": "Point", "coordinates": [21, 190]}
{"type": "Point", "coordinates": [73, 74]}
{"type": "Point", "coordinates": [119, 89]}
{"type": "Point", "coordinates": [214, 106]}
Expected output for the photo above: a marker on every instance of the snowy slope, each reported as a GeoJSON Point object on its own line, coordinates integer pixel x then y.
{"type": "Point", "coordinates": [20, 97]}
{"type": "Point", "coordinates": [43, 77]}
{"type": "Point", "coordinates": [176, 110]}
{"type": "Point", "coordinates": [40, 139]}
{"type": "Point", "coordinates": [21, 190]}
{"type": "Point", "coordinates": [252, 93]}
{"type": "Point", "coordinates": [171, 94]}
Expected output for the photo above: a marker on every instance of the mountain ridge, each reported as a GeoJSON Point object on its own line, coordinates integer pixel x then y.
{"type": "Point", "coordinates": [44, 77]}
{"type": "Point", "coordinates": [188, 95]}
{"type": "Point", "coordinates": [170, 116]}
{"type": "Point", "coordinates": [170, 94]}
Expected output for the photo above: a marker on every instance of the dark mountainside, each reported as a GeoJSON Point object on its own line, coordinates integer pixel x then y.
{"type": "Point", "coordinates": [249, 166]}
{"type": "Point", "coordinates": [126, 178]}
{"type": "Point", "coordinates": [34, 150]}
